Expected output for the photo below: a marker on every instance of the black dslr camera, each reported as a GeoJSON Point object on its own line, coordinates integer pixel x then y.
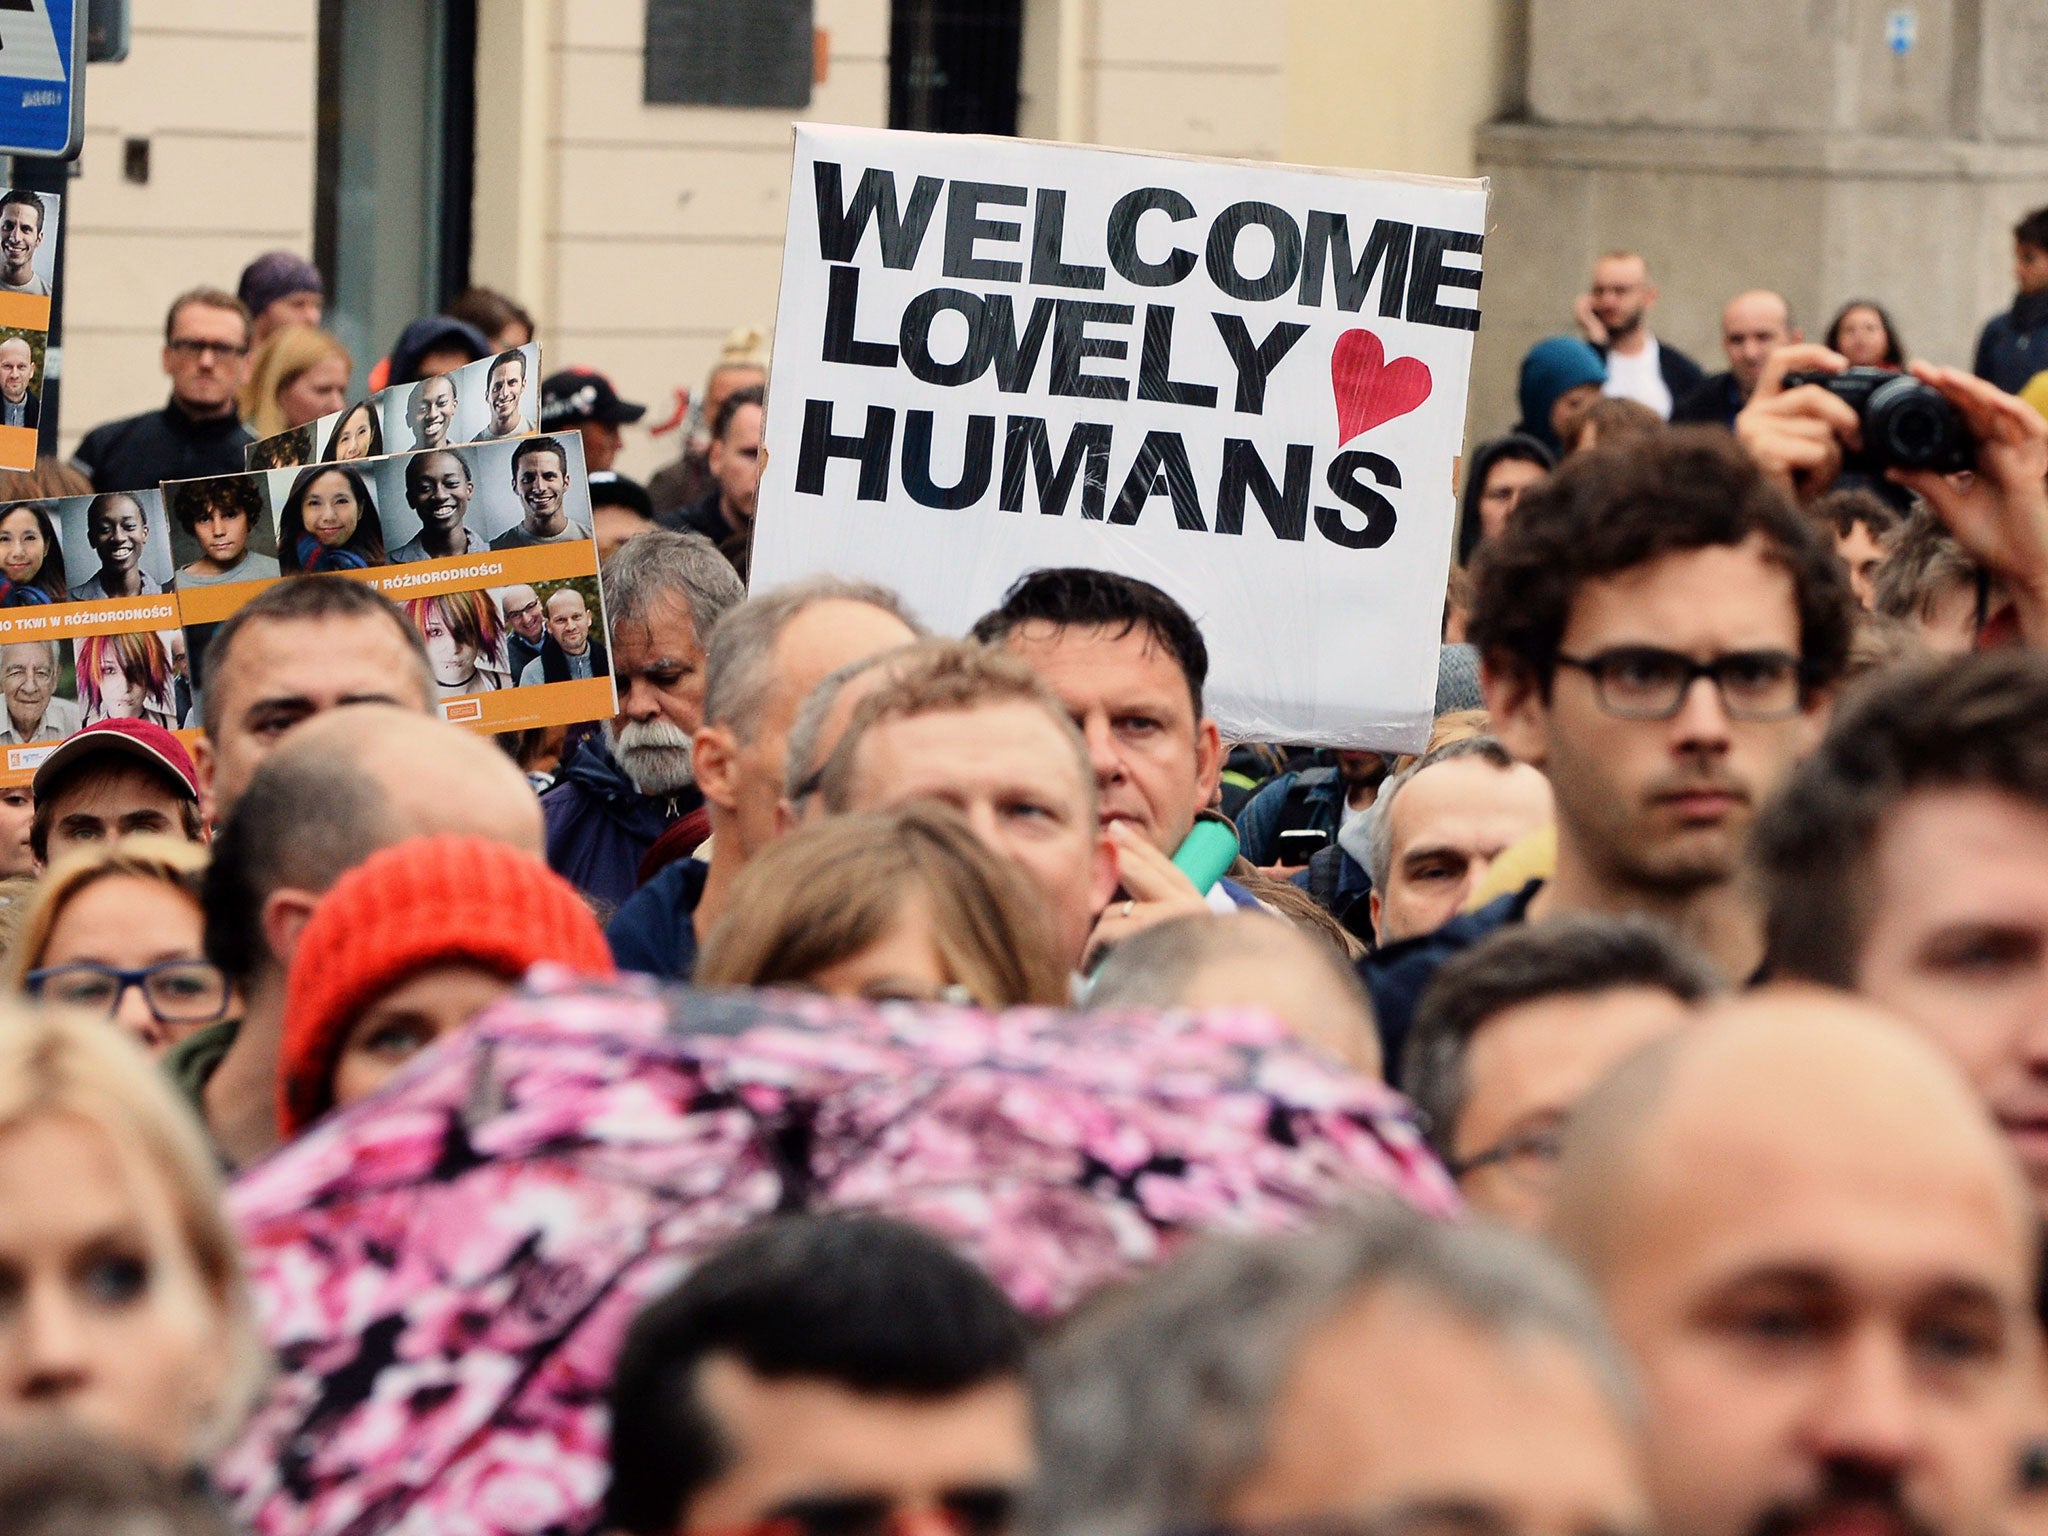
{"type": "Point", "coordinates": [1906, 424]}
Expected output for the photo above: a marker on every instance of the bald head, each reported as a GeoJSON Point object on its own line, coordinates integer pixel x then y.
{"type": "Point", "coordinates": [1753, 326]}
{"type": "Point", "coordinates": [1816, 1246]}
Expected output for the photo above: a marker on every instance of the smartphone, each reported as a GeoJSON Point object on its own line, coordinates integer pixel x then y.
{"type": "Point", "coordinates": [1299, 846]}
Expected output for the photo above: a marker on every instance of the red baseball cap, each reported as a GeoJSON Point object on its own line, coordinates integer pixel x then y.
{"type": "Point", "coordinates": [143, 740]}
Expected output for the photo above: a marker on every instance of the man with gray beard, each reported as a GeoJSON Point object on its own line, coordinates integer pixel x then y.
{"type": "Point", "coordinates": [663, 592]}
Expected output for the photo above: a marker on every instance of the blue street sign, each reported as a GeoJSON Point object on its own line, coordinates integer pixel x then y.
{"type": "Point", "coordinates": [42, 99]}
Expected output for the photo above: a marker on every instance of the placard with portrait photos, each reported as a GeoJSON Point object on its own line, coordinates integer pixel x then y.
{"type": "Point", "coordinates": [495, 397]}
{"type": "Point", "coordinates": [487, 547]}
{"type": "Point", "coordinates": [89, 622]}
{"type": "Point", "coordinates": [28, 262]}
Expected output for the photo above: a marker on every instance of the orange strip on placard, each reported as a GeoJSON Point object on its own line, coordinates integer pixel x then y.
{"type": "Point", "coordinates": [25, 311]}
{"type": "Point", "coordinates": [108, 617]}
{"type": "Point", "coordinates": [523, 709]}
{"type": "Point", "coordinates": [17, 447]}
{"type": "Point", "coordinates": [423, 578]}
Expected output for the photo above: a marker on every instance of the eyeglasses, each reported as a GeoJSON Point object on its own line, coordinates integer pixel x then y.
{"type": "Point", "coordinates": [966, 1511]}
{"type": "Point", "coordinates": [177, 991]}
{"type": "Point", "coordinates": [185, 346]}
{"type": "Point", "coordinates": [1529, 1158]}
{"type": "Point", "coordinates": [1641, 682]}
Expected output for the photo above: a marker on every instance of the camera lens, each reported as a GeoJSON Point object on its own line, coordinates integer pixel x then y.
{"type": "Point", "coordinates": [1912, 426]}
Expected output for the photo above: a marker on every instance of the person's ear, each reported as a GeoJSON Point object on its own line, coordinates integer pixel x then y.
{"type": "Point", "coordinates": [1208, 761]}
{"type": "Point", "coordinates": [285, 915]}
{"type": "Point", "coordinates": [1372, 907]}
{"type": "Point", "coordinates": [713, 752]}
{"type": "Point", "coordinates": [206, 766]}
{"type": "Point", "coordinates": [1516, 707]}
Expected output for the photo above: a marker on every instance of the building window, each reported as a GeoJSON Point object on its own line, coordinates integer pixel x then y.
{"type": "Point", "coordinates": [953, 65]}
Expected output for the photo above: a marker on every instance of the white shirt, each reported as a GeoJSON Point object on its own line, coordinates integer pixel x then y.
{"type": "Point", "coordinates": [1639, 378]}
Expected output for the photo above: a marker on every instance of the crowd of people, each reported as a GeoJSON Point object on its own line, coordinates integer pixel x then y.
{"type": "Point", "coordinates": [1712, 919]}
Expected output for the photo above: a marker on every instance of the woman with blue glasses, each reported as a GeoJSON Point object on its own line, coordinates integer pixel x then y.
{"type": "Point", "coordinates": [115, 930]}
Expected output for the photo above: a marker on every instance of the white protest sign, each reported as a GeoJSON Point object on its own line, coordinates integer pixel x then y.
{"type": "Point", "coordinates": [1245, 383]}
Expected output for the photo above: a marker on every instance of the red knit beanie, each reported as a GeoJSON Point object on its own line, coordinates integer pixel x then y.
{"type": "Point", "coordinates": [417, 904]}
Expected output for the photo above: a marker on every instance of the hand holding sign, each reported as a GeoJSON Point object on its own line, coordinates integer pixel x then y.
{"type": "Point", "coordinates": [1369, 389]}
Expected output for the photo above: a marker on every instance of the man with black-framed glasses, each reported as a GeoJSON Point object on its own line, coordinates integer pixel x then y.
{"type": "Point", "coordinates": [199, 431]}
{"type": "Point", "coordinates": [1661, 630]}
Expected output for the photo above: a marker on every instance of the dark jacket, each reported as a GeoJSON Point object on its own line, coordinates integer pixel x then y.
{"type": "Point", "coordinates": [31, 409]}
{"type": "Point", "coordinates": [599, 826]}
{"type": "Point", "coordinates": [519, 650]}
{"type": "Point", "coordinates": [136, 453]}
{"type": "Point", "coordinates": [554, 661]}
{"type": "Point", "coordinates": [2014, 345]}
{"type": "Point", "coordinates": [1680, 373]}
{"type": "Point", "coordinates": [655, 930]}
{"type": "Point", "coordinates": [1716, 401]}
{"type": "Point", "coordinates": [1310, 800]}
{"type": "Point", "coordinates": [707, 516]}
{"type": "Point", "coordinates": [1398, 975]}
{"type": "Point", "coordinates": [1342, 888]}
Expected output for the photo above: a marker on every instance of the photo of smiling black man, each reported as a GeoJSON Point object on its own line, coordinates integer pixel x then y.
{"type": "Point", "coordinates": [222, 531]}
{"type": "Point", "coordinates": [438, 487]}
{"type": "Point", "coordinates": [24, 220]}
{"type": "Point", "coordinates": [505, 396]}
{"type": "Point", "coordinates": [117, 528]}
{"type": "Point", "coordinates": [431, 411]}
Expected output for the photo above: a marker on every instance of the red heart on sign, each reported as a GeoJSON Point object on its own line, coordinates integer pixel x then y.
{"type": "Point", "coordinates": [1369, 389]}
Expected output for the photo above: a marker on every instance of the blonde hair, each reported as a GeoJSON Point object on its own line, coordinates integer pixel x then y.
{"type": "Point", "coordinates": [54, 1063]}
{"type": "Point", "coordinates": [827, 892]}
{"type": "Point", "coordinates": [277, 363]}
{"type": "Point", "coordinates": [175, 862]}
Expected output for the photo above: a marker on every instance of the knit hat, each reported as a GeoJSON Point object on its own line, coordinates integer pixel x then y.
{"type": "Point", "coordinates": [1457, 679]}
{"type": "Point", "coordinates": [278, 275]}
{"type": "Point", "coordinates": [420, 903]}
{"type": "Point", "coordinates": [1552, 367]}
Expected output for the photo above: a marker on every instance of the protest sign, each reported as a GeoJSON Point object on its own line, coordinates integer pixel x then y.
{"type": "Point", "coordinates": [28, 254]}
{"type": "Point", "coordinates": [88, 628]}
{"type": "Point", "coordinates": [1245, 383]}
{"type": "Point", "coordinates": [478, 543]}
{"type": "Point", "coordinates": [494, 398]}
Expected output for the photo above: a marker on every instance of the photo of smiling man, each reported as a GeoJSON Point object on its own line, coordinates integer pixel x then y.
{"type": "Point", "coordinates": [504, 389]}
{"type": "Point", "coordinates": [228, 525]}
{"type": "Point", "coordinates": [438, 488]}
{"type": "Point", "coordinates": [431, 411]}
{"type": "Point", "coordinates": [22, 217]}
{"type": "Point", "coordinates": [117, 528]}
{"type": "Point", "coordinates": [540, 479]}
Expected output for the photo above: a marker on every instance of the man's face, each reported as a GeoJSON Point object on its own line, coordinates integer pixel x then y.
{"type": "Point", "coordinates": [1862, 553]}
{"type": "Point", "coordinates": [1664, 805]}
{"type": "Point", "coordinates": [2029, 267]}
{"type": "Point", "coordinates": [1829, 1340]}
{"type": "Point", "coordinates": [117, 530]}
{"type": "Point", "coordinates": [438, 488]}
{"type": "Point", "coordinates": [736, 463]}
{"type": "Point", "coordinates": [205, 357]}
{"type": "Point", "coordinates": [21, 233]}
{"type": "Point", "coordinates": [283, 671]}
{"type": "Point", "coordinates": [569, 620]}
{"type": "Point", "coordinates": [1012, 773]}
{"type": "Point", "coordinates": [1958, 944]}
{"type": "Point", "coordinates": [1752, 328]}
{"type": "Point", "coordinates": [724, 384]}
{"type": "Point", "coordinates": [1526, 1070]}
{"type": "Point", "coordinates": [823, 638]}
{"type": "Point", "coordinates": [523, 611]}
{"type": "Point", "coordinates": [303, 308]}
{"type": "Point", "coordinates": [222, 531]}
{"type": "Point", "coordinates": [1621, 294]}
{"type": "Point", "coordinates": [17, 816]}
{"type": "Point", "coordinates": [1464, 1428]}
{"type": "Point", "coordinates": [28, 673]}
{"type": "Point", "coordinates": [17, 365]}
{"type": "Point", "coordinates": [432, 412]}
{"type": "Point", "coordinates": [541, 479]}
{"type": "Point", "coordinates": [791, 1441]}
{"type": "Point", "coordinates": [1449, 823]}
{"type": "Point", "coordinates": [1156, 765]}
{"type": "Point", "coordinates": [112, 800]}
{"type": "Point", "coordinates": [507, 381]}
{"type": "Point", "coordinates": [658, 666]}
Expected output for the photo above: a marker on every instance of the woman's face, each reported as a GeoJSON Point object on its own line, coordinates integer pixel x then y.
{"type": "Point", "coordinates": [330, 511]}
{"type": "Point", "coordinates": [1862, 338]}
{"type": "Point", "coordinates": [354, 442]}
{"type": "Point", "coordinates": [1505, 483]}
{"type": "Point", "coordinates": [223, 534]}
{"type": "Point", "coordinates": [22, 546]}
{"type": "Point", "coordinates": [128, 922]}
{"type": "Point", "coordinates": [409, 1018]}
{"type": "Point", "coordinates": [903, 963]}
{"type": "Point", "coordinates": [120, 699]}
{"type": "Point", "coordinates": [106, 1323]}
{"type": "Point", "coordinates": [320, 389]}
{"type": "Point", "coordinates": [452, 658]}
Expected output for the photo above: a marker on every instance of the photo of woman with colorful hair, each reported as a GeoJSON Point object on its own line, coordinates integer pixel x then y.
{"type": "Point", "coordinates": [126, 677]}
{"type": "Point", "coordinates": [31, 559]}
{"type": "Point", "coordinates": [329, 523]}
{"type": "Point", "coordinates": [465, 639]}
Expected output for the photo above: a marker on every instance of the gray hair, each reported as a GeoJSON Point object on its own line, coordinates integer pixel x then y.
{"type": "Point", "coordinates": [1152, 1407]}
{"type": "Point", "coordinates": [1379, 831]}
{"type": "Point", "coordinates": [803, 764]}
{"type": "Point", "coordinates": [662, 566]}
{"type": "Point", "coordinates": [1567, 956]}
{"type": "Point", "coordinates": [737, 677]}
